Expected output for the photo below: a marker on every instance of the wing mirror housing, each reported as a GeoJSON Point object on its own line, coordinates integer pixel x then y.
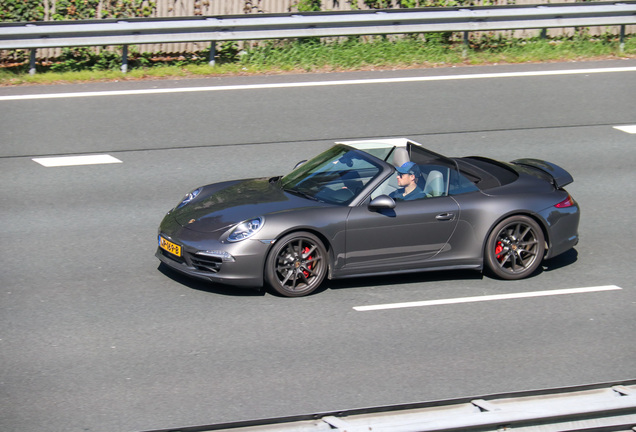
{"type": "Point", "coordinates": [383, 202]}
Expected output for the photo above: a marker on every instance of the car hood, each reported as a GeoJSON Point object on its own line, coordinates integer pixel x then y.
{"type": "Point", "coordinates": [222, 205]}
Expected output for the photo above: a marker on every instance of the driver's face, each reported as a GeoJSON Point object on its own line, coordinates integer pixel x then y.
{"type": "Point", "coordinates": [405, 179]}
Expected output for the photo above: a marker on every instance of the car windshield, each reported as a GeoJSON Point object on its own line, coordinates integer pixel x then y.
{"type": "Point", "coordinates": [335, 176]}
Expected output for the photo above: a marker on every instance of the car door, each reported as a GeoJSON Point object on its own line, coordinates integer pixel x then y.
{"type": "Point", "coordinates": [401, 238]}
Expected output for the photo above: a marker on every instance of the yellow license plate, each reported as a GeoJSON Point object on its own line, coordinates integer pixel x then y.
{"type": "Point", "coordinates": [169, 246]}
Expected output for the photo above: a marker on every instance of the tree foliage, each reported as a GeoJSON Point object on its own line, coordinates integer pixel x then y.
{"type": "Point", "coordinates": [21, 10]}
{"type": "Point", "coordinates": [309, 5]}
{"type": "Point", "coordinates": [33, 10]}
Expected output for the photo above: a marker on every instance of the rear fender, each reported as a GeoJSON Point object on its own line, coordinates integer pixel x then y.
{"type": "Point", "coordinates": [537, 218]}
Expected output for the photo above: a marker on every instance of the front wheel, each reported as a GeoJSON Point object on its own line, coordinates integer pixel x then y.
{"type": "Point", "coordinates": [296, 265]}
{"type": "Point", "coordinates": [515, 248]}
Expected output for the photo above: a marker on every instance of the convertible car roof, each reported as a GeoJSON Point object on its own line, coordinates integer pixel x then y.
{"type": "Point", "coordinates": [486, 173]}
{"type": "Point", "coordinates": [483, 172]}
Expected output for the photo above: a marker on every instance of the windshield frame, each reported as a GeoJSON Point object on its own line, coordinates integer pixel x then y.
{"type": "Point", "coordinates": [316, 167]}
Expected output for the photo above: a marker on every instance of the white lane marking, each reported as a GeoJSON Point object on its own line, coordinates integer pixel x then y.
{"type": "Point", "coordinates": [76, 160]}
{"type": "Point", "coordinates": [318, 83]}
{"type": "Point", "coordinates": [486, 298]}
{"type": "Point", "coordinates": [628, 129]}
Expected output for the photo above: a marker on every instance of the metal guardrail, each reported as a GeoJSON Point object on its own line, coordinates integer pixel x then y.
{"type": "Point", "coordinates": [53, 34]}
{"type": "Point", "coordinates": [593, 408]}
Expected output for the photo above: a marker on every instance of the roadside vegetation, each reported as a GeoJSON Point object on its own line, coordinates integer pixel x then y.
{"type": "Point", "coordinates": [315, 55]}
{"type": "Point", "coordinates": [287, 56]}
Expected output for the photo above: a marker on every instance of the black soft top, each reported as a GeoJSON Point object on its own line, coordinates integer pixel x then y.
{"type": "Point", "coordinates": [486, 173]}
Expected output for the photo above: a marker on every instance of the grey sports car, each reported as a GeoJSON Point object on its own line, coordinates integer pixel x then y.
{"type": "Point", "coordinates": [372, 208]}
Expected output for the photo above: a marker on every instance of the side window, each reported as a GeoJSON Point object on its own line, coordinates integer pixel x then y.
{"type": "Point", "coordinates": [387, 187]}
{"type": "Point", "coordinates": [435, 180]}
{"type": "Point", "coordinates": [429, 182]}
{"type": "Point", "coordinates": [460, 184]}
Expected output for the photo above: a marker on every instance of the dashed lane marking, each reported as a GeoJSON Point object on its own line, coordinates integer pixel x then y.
{"type": "Point", "coordinates": [486, 298]}
{"type": "Point", "coordinates": [629, 129]}
{"type": "Point", "coordinates": [76, 160]}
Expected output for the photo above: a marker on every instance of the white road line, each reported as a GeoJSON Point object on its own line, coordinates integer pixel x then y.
{"type": "Point", "coordinates": [318, 83]}
{"type": "Point", "coordinates": [628, 129]}
{"type": "Point", "coordinates": [76, 160]}
{"type": "Point", "coordinates": [486, 298]}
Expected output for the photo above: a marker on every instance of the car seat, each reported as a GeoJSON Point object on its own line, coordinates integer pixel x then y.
{"type": "Point", "coordinates": [400, 157]}
{"type": "Point", "coordinates": [434, 184]}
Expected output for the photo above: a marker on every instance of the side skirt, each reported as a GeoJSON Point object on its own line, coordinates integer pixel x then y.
{"type": "Point", "coordinates": [340, 274]}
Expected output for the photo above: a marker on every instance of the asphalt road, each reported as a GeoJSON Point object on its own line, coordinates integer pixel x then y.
{"type": "Point", "coordinates": [95, 337]}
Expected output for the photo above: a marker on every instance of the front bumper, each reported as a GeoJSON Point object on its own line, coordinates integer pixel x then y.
{"type": "Point", "coordinates": [238, 264]}
{"type": "Point", "coordinates": [244, 272]}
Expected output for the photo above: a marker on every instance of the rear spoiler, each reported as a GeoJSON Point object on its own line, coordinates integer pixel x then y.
{"type": "Point", "coordinates": [560, 177]}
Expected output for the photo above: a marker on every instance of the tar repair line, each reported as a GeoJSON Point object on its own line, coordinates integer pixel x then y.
{"type": "Point", "coordinates": [487, 298]}
{"type": "Point", "coordinates": [76, 160]}
{"type": "Point", "coordinates": [318, 83]}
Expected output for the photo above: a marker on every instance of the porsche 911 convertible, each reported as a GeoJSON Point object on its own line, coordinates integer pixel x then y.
{"type": "Point", "coordinates": [366, 208]}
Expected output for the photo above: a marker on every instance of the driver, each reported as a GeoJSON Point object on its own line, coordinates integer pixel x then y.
{"type": "Point", "coordinates": [407, 176]}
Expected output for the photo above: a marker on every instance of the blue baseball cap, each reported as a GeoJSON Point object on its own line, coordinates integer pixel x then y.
{"type": "Point", "coordinates": [409, 168]}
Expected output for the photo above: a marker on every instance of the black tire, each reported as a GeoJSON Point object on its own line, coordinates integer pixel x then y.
{"type": "Point", "coordinates": [296, 265]}
{"type": "Point", "coordinates": [515, 248]}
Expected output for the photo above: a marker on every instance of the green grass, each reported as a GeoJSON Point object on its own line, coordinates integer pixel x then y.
{"type": "Point", "coordinates": [313, 55]}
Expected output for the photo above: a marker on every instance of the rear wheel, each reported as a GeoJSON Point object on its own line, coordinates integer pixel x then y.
{"type": "Point", "coordinates": [296, 265]}
{"type": "Point", "coordinates": [515, 248]}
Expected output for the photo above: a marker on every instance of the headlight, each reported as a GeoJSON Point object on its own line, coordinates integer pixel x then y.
{"type": "Point", "coordinates": [245, 229]}
{"type": "Point", "coordinates": [189, 197]}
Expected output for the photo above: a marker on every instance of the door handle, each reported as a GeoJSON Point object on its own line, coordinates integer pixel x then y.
{"type": "Point", "coordinates": [445, 216]}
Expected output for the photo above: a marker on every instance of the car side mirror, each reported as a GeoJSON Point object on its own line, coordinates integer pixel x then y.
{"type": "Point", "coordinates": [301, 163]}
{"type": "Point", "coordinates": [383, 202]}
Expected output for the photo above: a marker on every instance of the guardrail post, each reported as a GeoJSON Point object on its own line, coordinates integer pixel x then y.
{"type": "Point", "coordinates": [211, 61]}
{"type": "Point", "coordinates": [32, 61]}
{"type": "Point", "coordinates": [466, 45]}
{"type": "Point", "coordinates": [621, 45]}
{"type": "Point", "coordinates": [544, 33]}
{"type": "Point", "coordinates": [124, 59]}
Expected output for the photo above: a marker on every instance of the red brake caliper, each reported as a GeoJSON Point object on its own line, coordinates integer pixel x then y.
{"type": "Point", "coordinates": [499, 250]}
{"type": "Point", "coordinates": [309, 258]}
